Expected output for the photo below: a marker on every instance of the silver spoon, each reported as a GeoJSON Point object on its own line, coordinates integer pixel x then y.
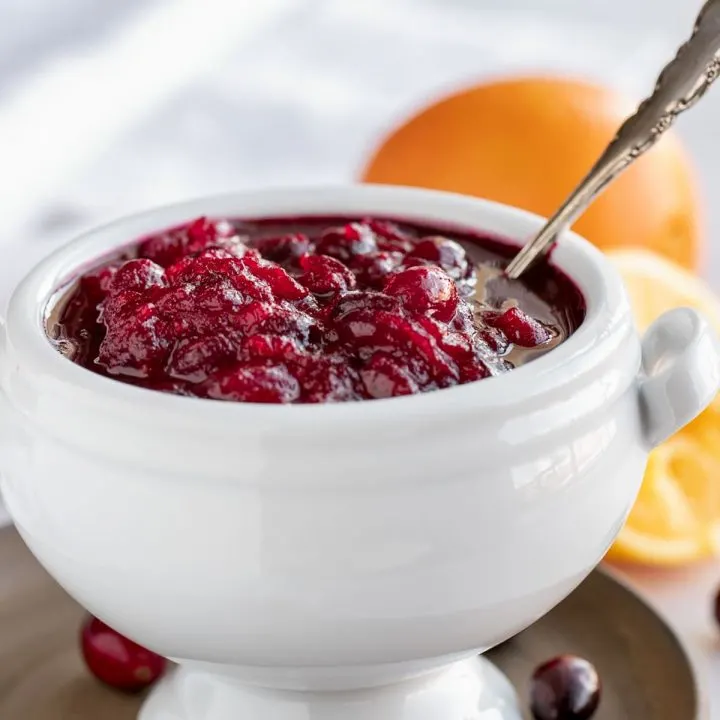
{"type": "Point", "coordinates": [680, 85]}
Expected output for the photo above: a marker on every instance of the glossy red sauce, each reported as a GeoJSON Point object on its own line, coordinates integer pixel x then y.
{"type": "Point", "coordinates": [311, 310]}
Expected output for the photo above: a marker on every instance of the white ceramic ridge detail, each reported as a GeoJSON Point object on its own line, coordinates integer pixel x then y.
{"type": "Point", "coordinates": [313, 555]}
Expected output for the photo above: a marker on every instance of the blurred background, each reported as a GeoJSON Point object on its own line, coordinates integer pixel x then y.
{"type": "Point", "coordinates": [112, 106]}
{"type": "Point", "coordinates": [109, 107]}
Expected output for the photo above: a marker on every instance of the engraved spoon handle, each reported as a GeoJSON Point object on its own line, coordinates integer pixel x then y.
{"type": "Point", "coordinates": [680, 85]}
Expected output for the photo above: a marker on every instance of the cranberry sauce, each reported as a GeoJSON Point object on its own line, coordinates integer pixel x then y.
{"type": "Point", "coordinates": [310, 310]}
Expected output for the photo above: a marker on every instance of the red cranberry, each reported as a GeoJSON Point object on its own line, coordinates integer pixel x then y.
{"type": "Point", "coordinates": [373, 270]}
{"type": "Point", "coordinates": [446, 254]}
{"type": "Point", "coordinates": [363, 300]}
{"type": "Point", "coordinates": [193, 359]}
{"type": "Point", "coordinates": [120, 304]}
{"type": "Point", "coordinates": [136, 344]}
{"type": "Point", "coordinates": [96, 285]}
{"type": "Point", "coordinates": [347, 242]}
{"type": "Point", "coordinates": [202, 233]}
{"type": "Point", "coordinates": [284, 249]}
{"type": "Point", "coordinates": [389, 236]}
{"type": "Point", "coordinates": [271, 347]}
{"type": "Point", "coordinates": [166, 248]}
{"type": "Point", "coordinates": [325, 275]}
{"type": "Point", "coordinates": [518, 327]}
{"type": "Point", "coordinates": [217, 294]}
{"type": "Point", "coordinates": [137, 275]}
{"type": "Point", "coordinates": [198, 267]}
{"type": "Point", "coordinates": [477, 370]}
{"type": "Point", "coordinates": [384, 377]}
{"type": "Point", "coordinates": [425, 290]}
{"type": "Point", "coordinates": [281, 284]}
{"type": "Point", "coordinates": [565, 688]}
{"type": "Point", "coordinates": [457, 345]}
{"type": "Point", "coordinates": [253, 287]}
{"type": "Point", "coordinates": [254, 383]}
{"type": "Point", "coordinates": [259, 318]}
{"type": "Point", "coordinates": [495, 341]}
{"type": "Point", "coordinates": [328, 379]}
{"type": "Point", "coordinates": [401, 335]}
{"type": "Point", "coordinates": [117, 661]}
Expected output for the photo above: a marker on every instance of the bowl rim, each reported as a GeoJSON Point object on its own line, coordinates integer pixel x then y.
{"type": "Point", "coordinates": [593, 343]}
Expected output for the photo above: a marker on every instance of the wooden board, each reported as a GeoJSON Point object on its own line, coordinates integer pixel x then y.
{"type": "Point", "coordinates": [645, 672]}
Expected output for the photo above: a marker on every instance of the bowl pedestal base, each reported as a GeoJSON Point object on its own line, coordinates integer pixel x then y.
{"type": "Point", "coordinates": [472, 689]}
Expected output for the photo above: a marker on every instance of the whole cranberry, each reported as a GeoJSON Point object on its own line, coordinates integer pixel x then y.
{"type": "Point", "coordinates": [138, 275]}
{"type": "Point", "coordinates": [276, 348]}
{"type": "Point", "coordinates": [204, 264]}
{"type": "Point", "coordinates": [425, 290]}
{"type": "Point", "coordinates": [203, 233]}
{"type": "Point", "coordinates": [97, 284]}
{"type": "Point", "coordinates": [372, 270]}
{"type": "Point", "coordinates": [194, 358]}
{"type": "Point", "coordinates": [277, 278]}
{"type": "Point", "coordinates": [347, 242]}
{"type": "Point", "coordinates": [565, 688]}
{"type": "Point", "coordinates": [328, 379]}
{"type": "Point", "coordinates": [389, 236]}
{"type": "Point", "coordinates": [285, 248]}
{"type": "Point", "coordinates": [168, 247]}
{"type": "Point", "coordinates": [363, 300]}
{"type": "Point", "coordinates": [137, 343]}
{"type": "Point", "coordinates": [324, 275]}
{"type": "Point", "coordinates": [259, 318]}
{"type": "Point", "coordinates": [256, 383]}
{"type": "Point", "coordinates": [446, 254]}
{"type": "Point", "coordinates": [385, 376]}
{"type": "Point", "coordinates": [117, 661]}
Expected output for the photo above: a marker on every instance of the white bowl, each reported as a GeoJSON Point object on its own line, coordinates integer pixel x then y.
{"type": "Point", "coordinates": [345, 560]}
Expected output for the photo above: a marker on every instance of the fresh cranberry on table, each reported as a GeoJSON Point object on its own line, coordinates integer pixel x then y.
{"type": "Point", "coordinates": [117, 661]}
{"type": "Point", "coordinates": [565, 688]}
{"type": "Point", "coordinates": [308, 311]}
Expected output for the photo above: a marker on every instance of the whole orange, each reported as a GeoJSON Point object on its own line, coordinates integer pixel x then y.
{"type": "Point", "coordinates": [528, 141]}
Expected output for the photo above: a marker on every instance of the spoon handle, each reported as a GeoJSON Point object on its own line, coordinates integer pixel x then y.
{"type": "Point", "coordinates": [683, 81]}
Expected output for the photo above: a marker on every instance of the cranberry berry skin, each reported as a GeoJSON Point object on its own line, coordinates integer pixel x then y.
{"type": "Point", "coordinates": [425, 291]}
{"type": "Point", "coordinates": [347, 242]}
{"type": "Point", "coordinates": [324, 275]}
{"type": "Point", "coordinates": [444, 253]}
{"type": "Point", "coordinates": [565, 688]}
{"type": "Point", "coordinates": [117, 661]}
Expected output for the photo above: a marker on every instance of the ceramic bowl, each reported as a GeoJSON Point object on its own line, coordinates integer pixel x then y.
{"type": "Point", "coordinates": [345, 560]}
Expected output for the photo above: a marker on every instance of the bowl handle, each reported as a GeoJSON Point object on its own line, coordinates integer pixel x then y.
{"type": "Point", "coordinates": [681, 372]}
